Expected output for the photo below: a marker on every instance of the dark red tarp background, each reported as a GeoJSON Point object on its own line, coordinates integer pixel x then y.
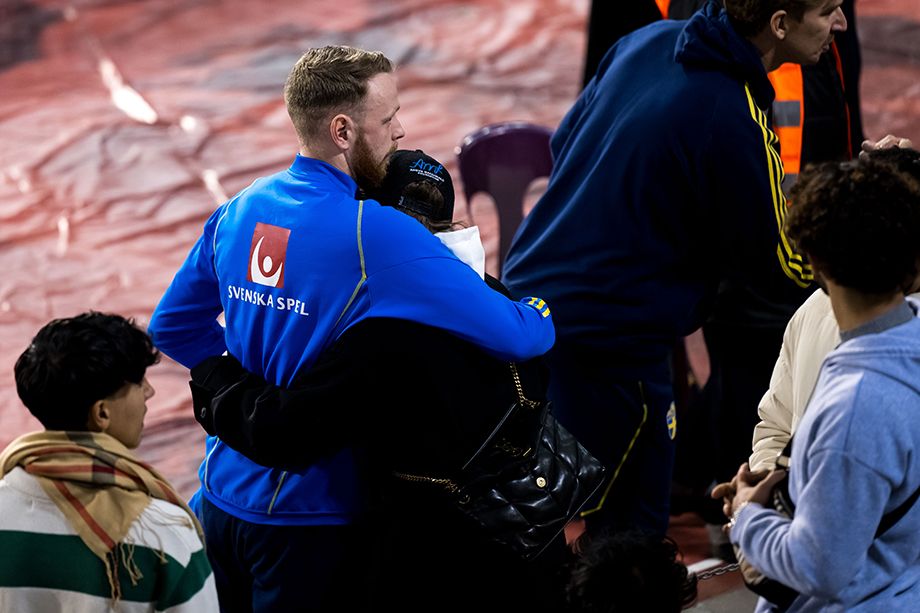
{"type": "Point", "coordinates": [101, 195]}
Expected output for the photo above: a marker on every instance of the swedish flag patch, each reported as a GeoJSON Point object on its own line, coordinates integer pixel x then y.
{"type": "Point", "coordinates": [538, 304]}
{"type": "Point", "coordinates": [672, 421]}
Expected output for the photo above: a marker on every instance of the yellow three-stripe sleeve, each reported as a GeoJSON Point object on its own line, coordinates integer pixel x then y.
{"type": "Point", "coordinates": [793, 263]}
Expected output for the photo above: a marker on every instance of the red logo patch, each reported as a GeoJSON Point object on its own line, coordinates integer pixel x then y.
{"type": "Point", "coordinates": [267, 254]}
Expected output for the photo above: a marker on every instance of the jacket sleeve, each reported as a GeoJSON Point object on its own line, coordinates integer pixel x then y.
{"type": "Point", "coordinates": [288, 428]}
{"type": "Point", "coordinates": [773, 431]}
{"type": "Point", "coordinates": [448, 294]}
{"type": "Point", "coordinates": [810, 335]}
{"type": "Point", "coordinates": [744, 180]}
{"type": "Point", "coordinates": [184, 324]}
{"type": "Point", "coordinates": [820, 551]}
{"type": "Point", "coordinates": [412, 276]}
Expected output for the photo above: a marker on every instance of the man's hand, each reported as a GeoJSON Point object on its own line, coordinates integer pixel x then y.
{"type": "Point", "coordinates": [754, 487]}
{"type": "Point", "coordinates": [887, 142]}
{"type": "Point", "coordinates": [725, 491]}
{"type": "Point", "coordinates": [728, 490]}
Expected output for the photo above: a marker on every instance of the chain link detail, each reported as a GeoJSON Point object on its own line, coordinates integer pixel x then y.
{"type": "Point", "coordinates": [533, 404]}
{"type": "Point", "coordinates": [717, 572]}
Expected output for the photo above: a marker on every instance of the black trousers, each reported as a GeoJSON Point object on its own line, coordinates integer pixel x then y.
{"type": "Point", "coordinates": [268, 569]}
{"type": "Point", "coordinates": [410, 555]}
{"type": "Point", "coordinates": [623, 415]}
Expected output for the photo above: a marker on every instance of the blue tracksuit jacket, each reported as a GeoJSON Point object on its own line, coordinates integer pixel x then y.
{"type": "Point", "coordinates": [292, 261]}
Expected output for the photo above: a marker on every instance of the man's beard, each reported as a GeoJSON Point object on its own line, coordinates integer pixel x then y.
{"type": "Point", "coordinates": [367, 171]}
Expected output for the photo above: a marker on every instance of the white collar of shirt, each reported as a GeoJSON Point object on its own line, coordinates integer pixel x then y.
{"type": "Point", "coordinates": [467, 246]}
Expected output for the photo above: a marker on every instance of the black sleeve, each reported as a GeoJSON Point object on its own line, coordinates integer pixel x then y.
{"type": "Point", "coordinates": [276, 426]}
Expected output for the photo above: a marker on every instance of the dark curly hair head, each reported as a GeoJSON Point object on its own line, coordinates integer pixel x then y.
{"type": "Point", "coordinates": [629, 571]}
{"type": "Point", "coordinates": [859, 221]}
{"type": "Point", "coordinates": [73, 362]}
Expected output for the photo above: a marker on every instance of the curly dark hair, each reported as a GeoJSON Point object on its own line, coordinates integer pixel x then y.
{"type": "Point", "coordinates": [859, 221]}
{"type": "Point", "coordinates": [750, 17]}
{"type": "Point", "coordinates": [73, 362]}
{"type": "Point", "coordinates": [628, 571]}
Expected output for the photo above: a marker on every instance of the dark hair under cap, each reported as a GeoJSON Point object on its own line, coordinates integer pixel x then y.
{"type": "Point", "coordinates": [409, 167]}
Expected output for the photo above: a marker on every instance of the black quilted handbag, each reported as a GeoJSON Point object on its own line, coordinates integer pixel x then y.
{"type": "Point", "coordinates": [526, 481]}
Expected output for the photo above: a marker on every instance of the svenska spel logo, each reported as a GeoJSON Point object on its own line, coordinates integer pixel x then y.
{"type": "Point", "coordinates": [267, 254]}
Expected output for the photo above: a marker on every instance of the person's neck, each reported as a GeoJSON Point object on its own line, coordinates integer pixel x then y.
{"type": "Point", "coordinates": [765, 43]}
{"type": "Point", "coordinates": [853, 308]}
{"type": "Point", "coordinates": [335, 159]}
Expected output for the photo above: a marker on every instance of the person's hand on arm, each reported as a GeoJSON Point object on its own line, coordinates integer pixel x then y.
{"type": "Point", "coordinates": [887, 142]}
{"type": "Point", "coordinates": [728, 490]}
{"type": "Point", "coordinates": [751, 487]}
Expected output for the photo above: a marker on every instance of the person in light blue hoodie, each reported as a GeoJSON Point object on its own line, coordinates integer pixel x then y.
{"type": "Point", "coordinates": [854, 478]}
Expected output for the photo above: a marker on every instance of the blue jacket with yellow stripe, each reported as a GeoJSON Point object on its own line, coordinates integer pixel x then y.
{"type": "Point", "coordinates": [666, 181]}
{"type": "Point", "coordinates": [293, 261]}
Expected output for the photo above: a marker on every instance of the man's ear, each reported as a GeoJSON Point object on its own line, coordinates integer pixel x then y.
{"type": "Point", "coordinates": [343, 132]}
{"type": "Point", "coordinates": [99, 417]}
{"type": "Point", "coordinates": [779, 24]}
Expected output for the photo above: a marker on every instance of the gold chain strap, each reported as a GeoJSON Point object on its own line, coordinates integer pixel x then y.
{"type": "Point", "coordinates": [450, 485]}
{"type": "Point", "coordinates": [447, 484]}
{"type": "Point", "coordinates": [520, 389]}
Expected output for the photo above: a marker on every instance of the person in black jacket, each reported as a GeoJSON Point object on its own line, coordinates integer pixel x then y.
{"type": "Point", "coordinates": [745, 329]}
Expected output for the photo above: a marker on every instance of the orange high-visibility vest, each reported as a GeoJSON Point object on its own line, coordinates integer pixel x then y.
{"type": "Point", "coordinates": [789, 115]}
{"type": "Point", "coordinates": [789, 110]}
{"type": "Point", "coordinates": [788, 118]}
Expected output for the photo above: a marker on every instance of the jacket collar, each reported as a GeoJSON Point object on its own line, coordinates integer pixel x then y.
{"type": "Point", "coordinates": [311, 169]}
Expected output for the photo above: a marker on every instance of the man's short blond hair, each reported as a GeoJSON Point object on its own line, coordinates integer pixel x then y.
{"type": "Point", "coordinates": [329, 80]}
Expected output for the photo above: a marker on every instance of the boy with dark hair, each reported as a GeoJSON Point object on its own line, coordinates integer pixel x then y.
{"type": "Point", "coordinates": [79, 362]}
{"type": "Point", "coordinates": [84, 524]}
{"type": "Point", "coordinates": [854, 541]}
